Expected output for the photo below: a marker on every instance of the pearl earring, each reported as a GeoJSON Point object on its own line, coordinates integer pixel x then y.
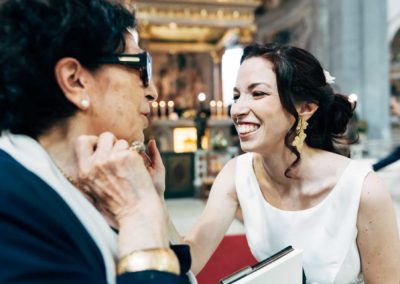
{"type": "Point", "coordinates": [85, 103]}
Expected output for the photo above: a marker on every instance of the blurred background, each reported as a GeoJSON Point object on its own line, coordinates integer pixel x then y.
{"type": "Point", "coordinates": [196, 46]}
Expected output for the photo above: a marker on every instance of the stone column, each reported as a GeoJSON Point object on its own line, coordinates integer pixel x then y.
{"type": "Point", "coordinates": [359, 59]}
{"type": "Point", "coordinates": [217, 74]}
{"type": "Point", "coordinates": [319, 44]}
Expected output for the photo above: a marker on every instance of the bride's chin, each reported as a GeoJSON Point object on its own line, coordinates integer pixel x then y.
{"type": "Point", "coordinates": [246, 147]}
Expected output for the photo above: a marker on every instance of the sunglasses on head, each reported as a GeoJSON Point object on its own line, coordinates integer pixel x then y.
{"type": "Point", "coordinates": [139, 61]}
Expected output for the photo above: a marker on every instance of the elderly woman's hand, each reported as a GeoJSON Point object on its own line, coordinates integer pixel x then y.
{"type": "Point", "coordinates": [118, 179]}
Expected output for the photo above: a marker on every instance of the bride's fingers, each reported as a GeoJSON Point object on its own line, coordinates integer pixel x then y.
{"type": "Point", "coordinates": [146, 159]}
{"type": "Point", "coordinates": [140, 148]}
{"type": "Point", "coordinates": [154, 154]}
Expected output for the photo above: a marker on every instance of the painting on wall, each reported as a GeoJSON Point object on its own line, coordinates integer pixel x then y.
{"type": "Point", "coordinates": [181, 77]}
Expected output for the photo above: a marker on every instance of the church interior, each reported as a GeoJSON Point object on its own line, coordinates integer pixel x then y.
{"type": "Point", "coordinates": [196, 46]}
{"type": "Point", "coordinates": [200, 141]}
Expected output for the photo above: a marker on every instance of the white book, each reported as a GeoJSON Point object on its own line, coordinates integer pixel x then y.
{"type": "Point", "coordinates": [286, 266]}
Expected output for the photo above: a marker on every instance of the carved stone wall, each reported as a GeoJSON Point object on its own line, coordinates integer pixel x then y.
{"type": "Point", "coordinates": [350, 40]}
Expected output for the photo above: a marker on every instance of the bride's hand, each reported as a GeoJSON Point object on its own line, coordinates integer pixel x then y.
{"type": "Point", "coordinates": [156, 169]}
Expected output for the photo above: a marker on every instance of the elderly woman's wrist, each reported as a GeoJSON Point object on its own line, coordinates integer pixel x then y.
{"type": "Point", "coordinates": [146, 239]}
{"type": "Point", "coordinates": [161, 259]}
{"type": "Point", "coordinates": [146, 207]}
{"type": "Point", "coordinates": [149, 232]}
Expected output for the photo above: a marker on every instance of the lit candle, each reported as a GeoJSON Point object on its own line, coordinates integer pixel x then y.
{"type": "Point", "coordinates": [163, 110]}
{"type": "Point", "coordinates": [154, 109]}
{"type": "Point", "coordinates": [201, 97]}
{"type": "Point", "coordinates": [213, 104]}
{"type": "Point", "coordinates": [225, 111]}
{"type": "Point", "coordinates": [219, 109]}
{"type": "Point", "coordinates": [170, 108]}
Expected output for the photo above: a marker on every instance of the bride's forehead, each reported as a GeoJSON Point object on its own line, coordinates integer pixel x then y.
{"type": "Point", "coordinates": [258, 68]}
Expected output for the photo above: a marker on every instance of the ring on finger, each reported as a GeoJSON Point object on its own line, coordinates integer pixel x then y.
{"type": "Point", "coordinates": [139, 147]}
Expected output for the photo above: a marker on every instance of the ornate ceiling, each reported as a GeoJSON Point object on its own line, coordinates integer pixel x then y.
{"type": "Point", "coordinates": [194, 25]}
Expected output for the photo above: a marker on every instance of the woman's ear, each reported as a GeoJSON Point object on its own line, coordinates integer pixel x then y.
{"type": "Point", "coordinates": [306, 110]}
{"type": "Point", "coordinates": [73, 80]}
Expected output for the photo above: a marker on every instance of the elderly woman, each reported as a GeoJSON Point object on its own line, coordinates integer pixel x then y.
{"type": "Point", "coordinates": [74, 94]}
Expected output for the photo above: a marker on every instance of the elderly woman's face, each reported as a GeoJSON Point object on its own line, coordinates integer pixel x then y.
{"type": "Point", "coordinates": [121, 104]}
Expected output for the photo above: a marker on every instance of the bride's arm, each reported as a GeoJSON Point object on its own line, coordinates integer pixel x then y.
{"type": "Point", "coordinates": [215, 219]}
{"type": "Point", "coordinates": [378, 235]}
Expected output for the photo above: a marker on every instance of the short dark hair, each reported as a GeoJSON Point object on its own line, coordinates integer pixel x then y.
{"type": "Point", "coordinates": [35, 35]}
{"type": "Point", "coordinates": [300, 78]}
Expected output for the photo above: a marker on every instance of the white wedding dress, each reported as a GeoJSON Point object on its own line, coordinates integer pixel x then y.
{"type": "Point", "coordinates": [326, 233]}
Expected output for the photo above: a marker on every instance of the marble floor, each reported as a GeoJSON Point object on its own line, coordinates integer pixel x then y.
{"type": "Point", "coordinates": [185, 211]}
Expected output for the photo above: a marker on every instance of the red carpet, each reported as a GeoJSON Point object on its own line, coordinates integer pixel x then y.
{"type": "Point", "coordinates": [231, 255]}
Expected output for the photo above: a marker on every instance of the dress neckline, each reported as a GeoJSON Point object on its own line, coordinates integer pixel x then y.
{"type": "Point", "coordinates": [306, 210]}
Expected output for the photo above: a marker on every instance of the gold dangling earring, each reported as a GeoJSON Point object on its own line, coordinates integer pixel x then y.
{"type": "Point", "coordinates": [298, 141]}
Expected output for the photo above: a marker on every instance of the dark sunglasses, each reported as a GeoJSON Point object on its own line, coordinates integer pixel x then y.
{"type": "Point", "coordinates": [139, 61]}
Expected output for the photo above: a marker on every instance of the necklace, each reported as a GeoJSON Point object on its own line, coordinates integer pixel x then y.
{"type": "Point", "coordinates": [92, 199]}
{"type": "Point", "coordinates": [76, 184]}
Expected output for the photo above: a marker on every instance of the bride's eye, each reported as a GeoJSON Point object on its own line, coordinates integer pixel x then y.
{"type": "Point", "coordinates": [259, 94]}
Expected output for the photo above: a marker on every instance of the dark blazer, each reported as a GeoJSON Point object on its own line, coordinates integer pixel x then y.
{"type": "Point", "coordinates": [386, 161]}
{"type": "Point", "coordinates": [42, 241]}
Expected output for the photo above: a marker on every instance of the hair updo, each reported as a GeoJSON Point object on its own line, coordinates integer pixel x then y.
{"type": "Point", "coordinates": [300, 78]}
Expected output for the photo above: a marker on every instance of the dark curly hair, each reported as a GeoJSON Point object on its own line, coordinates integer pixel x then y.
{"type": "Point", "coordinates": [300, 78]}
{"type": "Point", "coordinates": [35, 35]}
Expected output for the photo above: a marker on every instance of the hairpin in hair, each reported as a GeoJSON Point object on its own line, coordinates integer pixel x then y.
{"type": "Point", "coordinates": [329, 78]}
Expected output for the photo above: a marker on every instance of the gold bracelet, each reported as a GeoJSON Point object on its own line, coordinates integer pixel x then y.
{"type": "Point", "coordinates": [162, 259]}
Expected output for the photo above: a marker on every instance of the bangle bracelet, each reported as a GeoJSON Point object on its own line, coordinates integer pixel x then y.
{"type": "Point", "coordinates": [162, 259]}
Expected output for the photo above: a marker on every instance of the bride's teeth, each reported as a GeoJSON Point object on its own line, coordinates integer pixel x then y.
{"type": "Point", "coordinates": [247, 128]}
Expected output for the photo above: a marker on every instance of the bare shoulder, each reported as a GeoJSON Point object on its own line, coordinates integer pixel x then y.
{"type": "Point", "coordinates": [336, 159]}
{"type": "Point", "coordinates": [374, 194]}
{"type": "Point", "coordinates": [374, 191]}
{"type": "Point", "coordinates": [378, 236]}
{"type": "Point", "coordinates": [329, 166]}
{"type": "Point", "coordinates": [225, 181]}
{"type": "Point", "coordinates": [230, 167]}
